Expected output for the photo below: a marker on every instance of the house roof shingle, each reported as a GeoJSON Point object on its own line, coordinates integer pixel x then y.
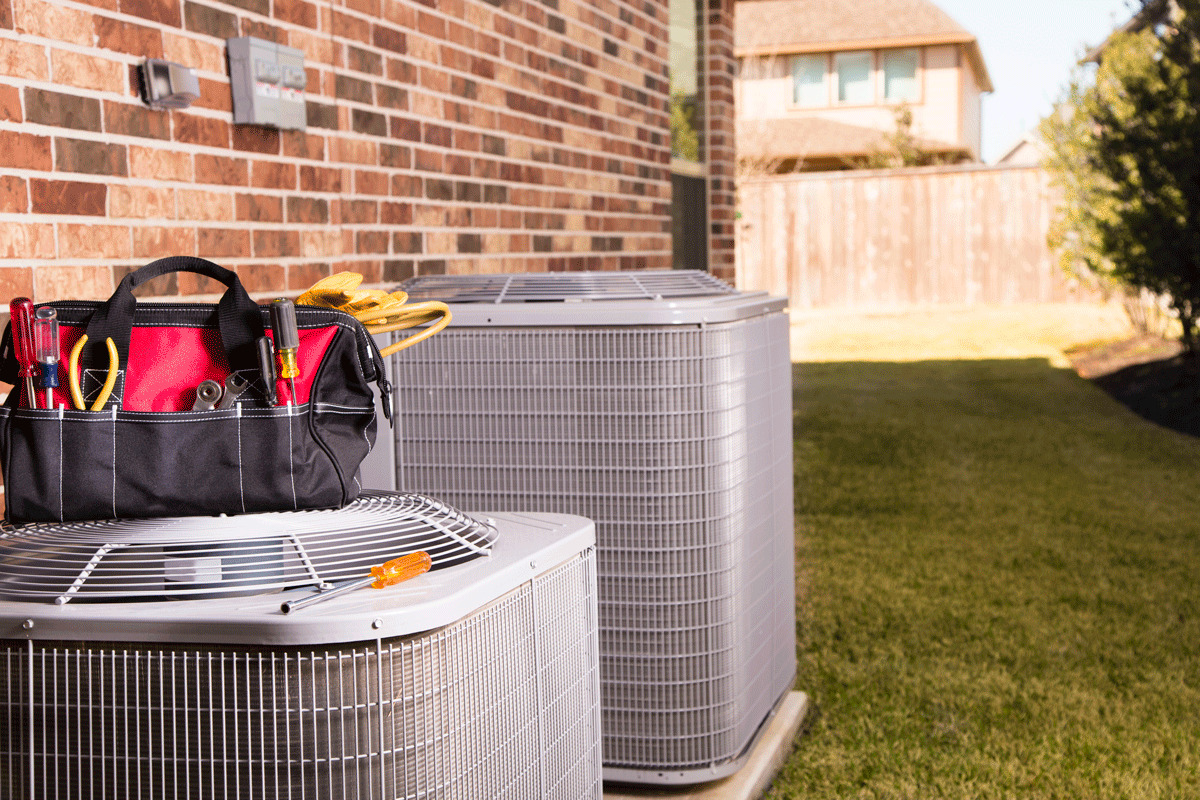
{"type": "Point", "coordinates": [799, 26]}
{"type": "Point", "coordinates": [814, 138]}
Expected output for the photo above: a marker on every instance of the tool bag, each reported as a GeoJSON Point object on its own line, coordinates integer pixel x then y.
{"type": "Point", "coordinates": [147, 453]}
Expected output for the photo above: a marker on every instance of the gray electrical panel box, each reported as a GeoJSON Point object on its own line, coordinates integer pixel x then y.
{"type": "Point", "coordinates": [268, 82]}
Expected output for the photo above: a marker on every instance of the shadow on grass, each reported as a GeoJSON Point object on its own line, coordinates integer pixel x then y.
{"type": "Point", "coordinates": [1166, 392]}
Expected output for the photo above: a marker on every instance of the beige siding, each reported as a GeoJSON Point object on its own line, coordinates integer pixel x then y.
{"type": "Point", "coordinates": [765, 92]}
{"type": "Point", "coordinates": [972, 110]}
{"type": "Point", "coordinates": [891, 239]}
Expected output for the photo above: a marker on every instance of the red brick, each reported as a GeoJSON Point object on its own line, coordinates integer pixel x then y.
{"type": "Point", "coordinates": [298, 144]}
{"type": "Point", "coordinates": [370, 182]}
{"type": "Point", "coordinates": [222, 243]}
{"type": "Point", "coordinates": [259, 208]}
{"type": "Point", "coordinates": [92, 158]}
{"type": "Point", "coordinates": [93, 241]}
{"type": "Point", "coordinates": [67, 197]}
{"type": "Point", "coordinates": [56, 282]}
{"type": "Point", "coordinates": [164, 11]}
{"type": "Point", "coordinates": [159, 242]}
{"type": "Point", "coordinates": [25, 151]}
{"type": "Point", "coordinates": [16, 282]}
{"type": "Point", "coordinates": [62, 110]}
{"type": "Point", "coordinates": [10, 104]}
{"type": "Point", "coordinates": [6, 21]}
{"type": "Point", "coordinates": [162, 286]}
{"type": "Point", "coordinates": [221, 170]}
{"type": "Point", "coordinates": [273, 175]}
{"type": "Point", "coordinates": [320, 179]}
{"type": "Point", "coordinates": [27, 240]}
{"type": "Point", "coordinates": [360, 212]}
{"type": "Point", "coordinates": [191, 283]}
{"type": "Point", "coordinates": [296, 12]}
{"type": "Point", "coordinates": [396, 213]}
{"type": "Point", "coordinates": [371, 242]}
{"type": "Point", "coordinates": [215, 95]}
{"type": "Point", "coordinates": [256, 139]}
{"type": "Point", "coordinates": [128, 37]}
{"type": "Point", "coordinates": [263, 30]}
{"type": "Point", "coordinates": [194, 129]}
{"type": "Point", "coordinates": [307, 210]}
{"type": "Point", "coordinates": [276, 243]}
{"type": "Point", "coordinates": [407, 186]}
{"type": "Point", "coordinates": [14, 194]}
{"type": "Point", "coordinates": [262, 277]}
{"type": "Point", "coordinates": [302, 276]}
{"type": "Point", "coordinates": [349, 27]}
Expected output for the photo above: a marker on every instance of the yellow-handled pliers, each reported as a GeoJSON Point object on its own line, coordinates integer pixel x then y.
{"type": "Point", "coordinates": [114, 364]}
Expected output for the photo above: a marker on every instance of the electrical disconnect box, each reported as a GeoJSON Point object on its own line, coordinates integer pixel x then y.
{"type": "Point", "coordinates": [268, 82]}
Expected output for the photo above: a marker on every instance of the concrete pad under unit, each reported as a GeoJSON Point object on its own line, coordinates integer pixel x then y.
{"type": "Point", "coordinates": [752, 780]}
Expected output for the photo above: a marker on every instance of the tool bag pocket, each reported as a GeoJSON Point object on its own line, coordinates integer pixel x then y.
{"type": "Point", "coordinates": [145, 453]}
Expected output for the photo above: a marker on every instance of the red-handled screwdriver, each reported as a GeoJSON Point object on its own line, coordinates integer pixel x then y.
{"type": "Point", "coordinates": [21, 309]}
{"type": "Point", "coordinates": [45, 337]}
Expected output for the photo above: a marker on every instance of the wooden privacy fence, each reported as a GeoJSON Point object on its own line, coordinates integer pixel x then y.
{"type": "Point", "coordinates": [897, 238]}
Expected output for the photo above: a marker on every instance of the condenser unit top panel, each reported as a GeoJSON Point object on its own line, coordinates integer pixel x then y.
{"type": "Point", "coordinates": [526, 546]}
{"type": "Point", "coordinates": [652, 297]}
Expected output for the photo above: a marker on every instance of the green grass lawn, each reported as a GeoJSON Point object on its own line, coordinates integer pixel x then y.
{"type": "Point", "coordinates": [998, 587]}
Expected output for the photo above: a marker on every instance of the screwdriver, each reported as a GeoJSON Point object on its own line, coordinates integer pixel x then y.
{"type": "Point", "coordinates": [21, 310]}
{"type": "Point", "coordinates": [287, 340]}
{"type": "Point", "coordinates": [395, 571]}
{"type": "Point", "coordinates": [266, 366]}
{"type": "Point", "coordinates": [45, 338]}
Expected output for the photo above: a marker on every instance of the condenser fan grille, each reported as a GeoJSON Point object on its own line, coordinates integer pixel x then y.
{"type": "Point", "coordinates": [565, 287]}
{"type": "Point", "coordinates": [193, 557]}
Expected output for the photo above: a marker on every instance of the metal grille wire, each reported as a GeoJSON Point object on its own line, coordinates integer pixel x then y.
{"type": "Point", "coordinates": [566, 286]}
{"type": "Point", "coordinates": [195, 557]}
{"type": "Point", "coordinates": [676, 441]}
{"type": "Point", "coordinates": [502, 704]}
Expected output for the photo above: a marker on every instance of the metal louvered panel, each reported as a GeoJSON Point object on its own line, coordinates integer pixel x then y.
{"type": "Point", "coordinates": [503, 703]}
{"type": "Point", "coordinates": [676, 441]}
{"type": "Point", "coordinates": [560, 287]}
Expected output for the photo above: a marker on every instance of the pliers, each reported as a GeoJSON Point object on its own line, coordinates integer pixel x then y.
{"type": "Point", "coordinates": [114, 363]}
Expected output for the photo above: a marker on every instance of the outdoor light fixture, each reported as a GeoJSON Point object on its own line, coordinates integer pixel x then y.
{"type": "Point", "coordinates": [166, 84]}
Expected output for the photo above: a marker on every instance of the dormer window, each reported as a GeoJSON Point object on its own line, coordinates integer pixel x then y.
{"type": "Point", "coordinates": [852, 71]}
{"type": "Point", "coordinates": [900, 75]}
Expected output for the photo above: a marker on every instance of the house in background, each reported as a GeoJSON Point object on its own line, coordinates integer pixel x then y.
{"type": "Point", "coordinates": [822, 82]}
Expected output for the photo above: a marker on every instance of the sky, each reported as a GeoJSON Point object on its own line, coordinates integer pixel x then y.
{"type": "Point", "coordinates": [1030, 47]}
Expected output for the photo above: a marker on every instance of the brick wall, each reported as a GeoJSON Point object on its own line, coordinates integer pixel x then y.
{"type": "Point", "coordinates": [444, 136]}
{"type": "Point", "coordinates": [722, 158]}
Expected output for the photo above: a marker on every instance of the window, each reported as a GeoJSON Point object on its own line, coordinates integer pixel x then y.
{"type": "Point", "coordinates": [854, 78]}
{"type": "Point", "coordinates": [808, 81]}
{"type": "Point", "coordinates": [900, 75]}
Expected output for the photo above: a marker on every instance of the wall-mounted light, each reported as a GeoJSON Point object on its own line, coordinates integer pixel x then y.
{"type": "Point", "coordinates": [166, 84]}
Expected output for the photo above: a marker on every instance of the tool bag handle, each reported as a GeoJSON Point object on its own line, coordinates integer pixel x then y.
{"type": "Point", "coordinates": [239, 318]}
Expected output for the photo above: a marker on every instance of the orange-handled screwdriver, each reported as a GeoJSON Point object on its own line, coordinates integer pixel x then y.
{"type": "Point", "coordinates": [395, 571]}
{"type": "Point", "coordinates": [401, 569]}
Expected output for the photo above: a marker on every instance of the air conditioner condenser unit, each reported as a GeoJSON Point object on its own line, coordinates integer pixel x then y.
{"type": "Point", "coordinates": [657, 404]}
{"type": "Point", "coordinates": [151, 659]}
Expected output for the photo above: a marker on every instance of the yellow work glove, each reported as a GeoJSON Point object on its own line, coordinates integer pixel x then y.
{"type": "Point", "coordinates": [377, 310]}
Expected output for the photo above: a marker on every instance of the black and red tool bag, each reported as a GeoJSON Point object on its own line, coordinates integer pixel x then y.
{"type": "Point", "coordinates": [151, 450]}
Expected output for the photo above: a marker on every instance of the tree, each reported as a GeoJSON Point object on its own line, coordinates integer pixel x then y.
{"type": "Point", "coordinates": [1123, 148]}
{"type": "Point", "coordinates": [901, 147]}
